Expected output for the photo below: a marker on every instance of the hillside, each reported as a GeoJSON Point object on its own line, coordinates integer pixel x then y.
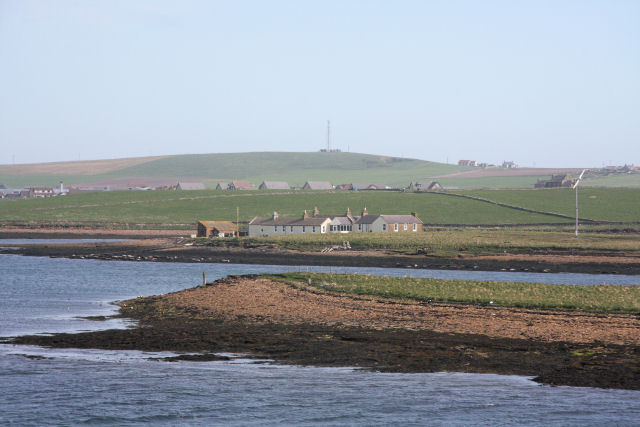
{"type": "Point", "coordinates": [295, 168]}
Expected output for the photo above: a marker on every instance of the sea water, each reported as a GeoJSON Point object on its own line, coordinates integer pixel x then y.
{"type": "Point", "coordinates": [98, 387]}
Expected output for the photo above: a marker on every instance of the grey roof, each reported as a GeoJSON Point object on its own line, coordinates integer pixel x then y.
{"type": "Point", "coordinates": [287, 221]}
{"type": "Point", "coordinates": [367, 219]}
{"type": "Point", "coordinates": [274, 185]}
{"type": "Point", "coordinates": [370, 185]}
{"type": "Point", "coordinates": [390, 219]}
{"type": "Point", "coordinates": [191, 186]}
{"type": "Point", "coordinates": [318, 185]}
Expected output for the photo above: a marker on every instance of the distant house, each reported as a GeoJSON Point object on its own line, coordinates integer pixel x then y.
{"type": "Point", "coordinates": [3, 187]}
{"type": "Point", "coordinates": [317, 185]}
{"type": "Point", "coordinates": [217, 229]}
{"type": "Point", "coordinates": [41, 192]}
{"type": "Point", "coordinates": [556, 181]}
{"type": "Point", "coordinates": [467, 163]}
{"type": "Point", "coordinates": [276, 225]}
{"type": "Point", "coordinates": [190, 186]}
{"type": "Point", "coordinates": [345, 187]}
{"type": "Point", "coordinates": [222, 186]}
{"type": "Point", "coordinates": [274, 185]}
{"type": "Point", "coordinates": [425, 186]}
{"type": "Point", "coordinates": [241, 185]}
{"type": "Point", "coordinates": [370, 186]}
{"type": "Point", "coordinates": [362, 186]}
{"type": "Point", "coordinates": [509, 165]}
{"type": "Point", "coordinates": [388, 223]}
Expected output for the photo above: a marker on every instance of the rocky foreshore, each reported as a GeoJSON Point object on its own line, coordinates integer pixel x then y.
{"type": "Point", "coordinates": [288, 324]}
{"type": "Point", "coordinates": [177, 249]}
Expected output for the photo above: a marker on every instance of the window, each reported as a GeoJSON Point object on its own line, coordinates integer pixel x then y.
{"type": "Point", "coordinates": [384, 227]}
{"type": "Point", "coordinates": [314, 229]}
{"type": "Point", "coordinates": [304, 228]}
{"type": "Point", "coordinates": [395, 227]}
{"type": "Point", "coordinates": [292, 228]}
{"type": "Point", "coordinates": [415, 227]}
{"type": "Point", "coordinates": [359, 227]}
{"type": "Point", "coordinates": [406, 227]}
{"type": "Point", "coordinates": [275, 228]}
{"type": "Point", "coordinates": [323, 229]}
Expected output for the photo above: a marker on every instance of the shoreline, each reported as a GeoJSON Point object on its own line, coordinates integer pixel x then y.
{"type": "Point", "coordinates": [293, 325]}
{"type": "Point", "coordinates": [164, 248]}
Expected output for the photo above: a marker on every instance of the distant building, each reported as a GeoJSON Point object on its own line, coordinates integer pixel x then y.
{"type": "Point", "coordinates": [222, 186]}
{"type": "Point", "coordinates": [362, 186]}
{"type": "Point", "coordinates": [556, 181]}
{"type": "Point", "coordinates": [425, 186]}
{"type": "Point", "coordinates": [277, 225]}
{"type": "Point", "coordinates": [190, 186]}
{"type": "Point", "coordinates": [388, 223]}
{"type": "Point", "coordinates": [317, 185]}
{"type": "Point", "coordinates": [40, 192]}
{"type": "Point", "coordinates": [467, 163]}
{"type": "Point", "coordinates": [217, 229]}
{"type": "Point", "coordinates": [241, 185]}
{"type": "Point", "coordinates": [274, 185]}
{"type": "Point", "coordinates": [331, 223]}
{"type": "Point", "coordinates": [509, 165]}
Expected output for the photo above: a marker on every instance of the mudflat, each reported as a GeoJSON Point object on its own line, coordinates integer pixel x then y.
{"type": "Point", "coordinates": [292, 324]}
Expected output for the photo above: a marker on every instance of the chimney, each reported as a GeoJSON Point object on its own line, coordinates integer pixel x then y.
{"type": "Point", "coordinates": [316, 212]}
{"type": "Point", "coordinates": [414, 214]}
{"type": "Point", "coordinates": [348, 212]}
{"type": "Point", "coordinates": [305, 215]}
{"type": "Point", "coordinates": [275, 215]}
{"type": "Point", "coordinates": [364, 211]}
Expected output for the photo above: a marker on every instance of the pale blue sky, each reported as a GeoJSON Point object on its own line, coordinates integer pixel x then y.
{"type": "Point", "coordinates": [544, 83]}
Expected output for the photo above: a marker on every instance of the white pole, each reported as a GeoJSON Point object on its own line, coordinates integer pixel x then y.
{"type": "Point", "coordinates": [576, 211]}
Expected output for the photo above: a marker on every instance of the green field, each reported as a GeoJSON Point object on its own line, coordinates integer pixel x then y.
{"type": "Point", "coordinates": [607, 204]}
{"type": "Point", "coordinates": [602, 298]}
{"type": "Point", "coordinates": [190, 206]}
{"type": "Point", "coordinates": [622, 180]}
{"type": "Point", "coordinates": [491, 182]}
{"type": "Point", "coordinates": [433, 208]}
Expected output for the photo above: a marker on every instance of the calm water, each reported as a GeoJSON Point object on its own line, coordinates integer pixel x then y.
{"type": "Point", "coordinates": [98, 387]}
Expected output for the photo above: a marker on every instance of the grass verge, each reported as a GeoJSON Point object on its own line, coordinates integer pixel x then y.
{"type": "Point", "coordinates": [600, 298]}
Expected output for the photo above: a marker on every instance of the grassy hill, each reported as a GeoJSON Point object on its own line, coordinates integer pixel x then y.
{"type": "Point", "coordinates": [295, 168]}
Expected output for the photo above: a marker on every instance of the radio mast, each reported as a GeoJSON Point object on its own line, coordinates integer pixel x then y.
{"type": "Point", "coordinates": [328, 136]}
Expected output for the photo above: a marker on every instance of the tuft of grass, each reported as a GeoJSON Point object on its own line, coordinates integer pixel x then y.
{"type": "Point", "coordinates": [601, 298]}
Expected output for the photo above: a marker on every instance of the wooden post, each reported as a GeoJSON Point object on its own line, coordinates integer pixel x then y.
{"type": "Point", "coordinates": [204, 279]}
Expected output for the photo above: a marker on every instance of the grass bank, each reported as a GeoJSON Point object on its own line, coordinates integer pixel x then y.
{"type": "Point", "coordinates": [448, 242]}
{"type": "Point", "coordinates": [601, 298]}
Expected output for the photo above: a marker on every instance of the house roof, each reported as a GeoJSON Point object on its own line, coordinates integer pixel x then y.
{"type": "Point", "coordinates": [275, 185]}
{"type": "Point", "coordinates": [191, 185]}
{"type": "Point", "coordinates": [288, 221]}
{"type": "Point", "coordinates": [401, 219]}
{"type": "Point", "coordinates": [242, 185]}
{"type": "Point", "coordinates": [318, 185]}
{"type": "Point", "coordinates": [224, 226]}
{"type": "Point", "coordinates": [390, 219]}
